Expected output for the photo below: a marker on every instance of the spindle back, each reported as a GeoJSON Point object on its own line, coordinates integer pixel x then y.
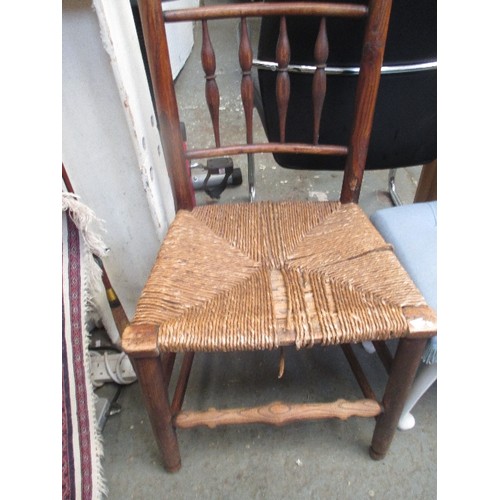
{"type": "Point", "coordinates": [375, 15]}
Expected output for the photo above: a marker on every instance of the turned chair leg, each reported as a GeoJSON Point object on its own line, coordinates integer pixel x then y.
{"type": "Point", "coordinates": [403, 370]}
{"type": "Point", "coordinates": [149, 373]}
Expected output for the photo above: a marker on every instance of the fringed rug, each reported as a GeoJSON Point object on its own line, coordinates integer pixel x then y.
{"type": "Point", "coordinates": [82, 476]}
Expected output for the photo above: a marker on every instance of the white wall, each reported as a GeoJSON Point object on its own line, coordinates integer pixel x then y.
{"type": "Point", "coordinates": [180, 36]}
{"type": "Point", "coordinates": [111, 146]}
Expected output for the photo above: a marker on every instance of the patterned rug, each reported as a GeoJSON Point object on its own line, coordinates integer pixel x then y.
{"type": "Point", "coordinates": [82, 476]}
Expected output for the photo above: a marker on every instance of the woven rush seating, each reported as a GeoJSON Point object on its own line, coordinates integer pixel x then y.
{"type": "Point", "coordinates": [263, 275]}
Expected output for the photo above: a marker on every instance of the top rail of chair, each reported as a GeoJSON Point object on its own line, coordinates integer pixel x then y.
{"type": "Point", "coordinates": [266, 9]}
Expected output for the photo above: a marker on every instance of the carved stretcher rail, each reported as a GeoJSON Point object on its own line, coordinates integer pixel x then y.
{"type": "Point", "coordinates": [279, 413]}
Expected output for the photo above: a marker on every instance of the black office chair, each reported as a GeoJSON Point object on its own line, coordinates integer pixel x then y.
{"type": "Point", "coordinates": [405, 123]}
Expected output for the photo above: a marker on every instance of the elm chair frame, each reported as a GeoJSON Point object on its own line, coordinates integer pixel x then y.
{"type": "Point", "coordinates": [153, 361]}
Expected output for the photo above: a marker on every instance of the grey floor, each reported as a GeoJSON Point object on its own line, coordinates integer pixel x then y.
{"type": "Point", "coordinates": [318, 460]}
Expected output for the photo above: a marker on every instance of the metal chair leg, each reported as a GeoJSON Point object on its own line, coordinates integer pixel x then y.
{"type": "Point", "coordinates": [251, 177]}
{"type": "Point", "coordinates": [396, 200]}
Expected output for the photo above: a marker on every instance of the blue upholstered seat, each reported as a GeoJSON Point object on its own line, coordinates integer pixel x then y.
{"type": "Point", "coordinates": [412, 230]}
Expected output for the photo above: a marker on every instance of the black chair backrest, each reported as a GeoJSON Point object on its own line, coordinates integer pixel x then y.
{"type": "Point", "coordinates": [405, 123]}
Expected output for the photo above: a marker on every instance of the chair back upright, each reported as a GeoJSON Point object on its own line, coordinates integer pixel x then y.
{"type": "Point", "coordinates": [153, 20]}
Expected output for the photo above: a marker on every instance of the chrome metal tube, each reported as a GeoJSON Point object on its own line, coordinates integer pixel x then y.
{"type": "Point", "coordinates": [334, 70]}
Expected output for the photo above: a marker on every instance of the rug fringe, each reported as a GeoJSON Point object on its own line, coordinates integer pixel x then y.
{"type": "Point", "coordinates": [89, 280]}
{"type": "Point", "coordinates": [89, 226]}
{"type": "Point", "coordinates": [93, 245]}
{"type": "Point", "coordinates": [84, 217]}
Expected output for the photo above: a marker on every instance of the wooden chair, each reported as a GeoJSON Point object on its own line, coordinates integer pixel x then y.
{"type": "Point", "coordinates": [264, 275]}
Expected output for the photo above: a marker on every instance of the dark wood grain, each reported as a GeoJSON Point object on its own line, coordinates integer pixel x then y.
{"type": "Point", "coordinates": [266, 9]}
{"type": "Point", "coordinates": [211, 89]}
{"type": "Point", "coordinates": [366, 97]}
{"type": "Point", "coordinates": [384, 354]}
{"type": "Point", "coordinates": [155, 39]}
{"type": "Point", "coordinates": [247, 91]}
{"type": "Point", "coordinates": [358, 372]}
{"type": "Point", "coordinates": [150, 376]}
{"type": "Point", "coordinates": [283, 78]}
{"type": "Point", "coordinates": [319, 79]}
{"type": "Point", "coordinates": [268, 147]}
{"type": "Point", "coordinates": [141, 341]}
{"type": "Point", "coordinates": [404, 367]}
{"type": "Point", "coordinates": [167, 362]}
{"type": "Point", "coordinates": [180, 389]}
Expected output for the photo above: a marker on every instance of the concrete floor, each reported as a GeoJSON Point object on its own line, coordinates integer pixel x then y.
{"type": "Point", "coordinates": [318, 460]}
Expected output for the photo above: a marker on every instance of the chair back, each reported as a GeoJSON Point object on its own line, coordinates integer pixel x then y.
{"type": "Point", "coordinates": [375, 16]}
{"type": "Point", "coordinates": [404, 129]}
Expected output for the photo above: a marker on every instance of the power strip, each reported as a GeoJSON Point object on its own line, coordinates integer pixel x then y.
{"type": "Point", "coordinates": [111, 367]}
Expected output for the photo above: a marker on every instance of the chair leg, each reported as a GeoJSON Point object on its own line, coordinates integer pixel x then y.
{"type": "Point", "coordinates": [426, 376]}
{"type": "Point", "coordinates": [251, 176]}
{"type": "Point", "coordinates": [150, 376]}
{"type": "Point", "coordinates": [403, 370]}
{"type": "Point", "coordinates": [396, 200]}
